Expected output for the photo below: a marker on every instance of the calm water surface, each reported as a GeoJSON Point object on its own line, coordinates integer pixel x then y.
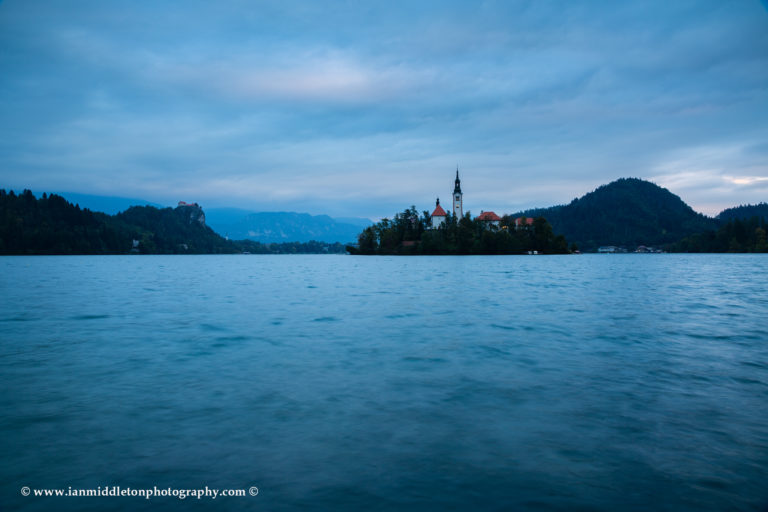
{"type": "Point", "coordinates": [616, 382]}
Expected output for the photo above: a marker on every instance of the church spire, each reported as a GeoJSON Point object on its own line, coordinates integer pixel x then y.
{"type": "Point", "coordinates": [458, 203]}
{"type": "Point", "coordinates": [457, 183]}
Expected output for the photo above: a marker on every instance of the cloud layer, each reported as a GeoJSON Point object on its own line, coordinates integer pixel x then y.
{"type": "Point", "coordinates": [364, 109]}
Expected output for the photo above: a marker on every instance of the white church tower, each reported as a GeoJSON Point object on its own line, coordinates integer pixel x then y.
{"type": "Point", "coordinates": [458, 207]}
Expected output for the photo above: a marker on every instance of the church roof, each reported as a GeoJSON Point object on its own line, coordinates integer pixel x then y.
{"type": "Point", "coordinates": [490, 216]}
{"type": "Point", "coordinates": [439, 212]}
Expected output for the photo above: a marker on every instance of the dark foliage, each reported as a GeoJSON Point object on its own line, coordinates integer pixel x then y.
{"type": "Point", "coordinates": [410, 234]}
{"type": "Point", "coordinates": [734, 236]}
{"type": "Point", "coordinates": [51, 225]}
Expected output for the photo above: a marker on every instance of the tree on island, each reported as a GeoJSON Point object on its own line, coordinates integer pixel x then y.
{"type": "Point", "coordinates": [410, 234]}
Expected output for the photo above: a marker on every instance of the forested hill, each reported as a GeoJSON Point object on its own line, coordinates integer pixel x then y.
{"type": "Point", "coordinates": [628, 212]}
{"type": "Point", "coordinates": [172, 230]}
{"type": "Point", "coordinates": [744, 212]}
{"type": "Point", "coordinates": [52, 225]}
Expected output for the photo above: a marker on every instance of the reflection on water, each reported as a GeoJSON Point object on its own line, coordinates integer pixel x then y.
{"type": "Point", "coordinates": [350, 383]}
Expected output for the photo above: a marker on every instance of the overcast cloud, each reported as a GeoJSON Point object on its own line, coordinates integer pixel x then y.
{"type": "Point", "coordinates": [362, 109]}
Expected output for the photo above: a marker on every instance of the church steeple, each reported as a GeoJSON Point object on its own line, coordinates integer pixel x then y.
{"type": "Point", "coordinates": [458, 206]}
{"type": "Point", "coordinates": [457, 186]}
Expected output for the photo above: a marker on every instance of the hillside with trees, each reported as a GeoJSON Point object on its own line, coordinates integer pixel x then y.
{"type": "Point", "coordinates": [627, 212]}
{"type": "Point", "coordinates": [177, 230]}
{"type": "Point", "coordinates": [409, 233]}
{"type": "Point", "coordinates": [52, 225]}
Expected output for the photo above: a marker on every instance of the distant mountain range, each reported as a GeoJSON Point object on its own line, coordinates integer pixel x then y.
{"type": "Point", "coordinates": [277, 227]}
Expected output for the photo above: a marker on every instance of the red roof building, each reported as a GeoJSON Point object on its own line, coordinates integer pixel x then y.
{"type": "Point", "coordinates": [438, 216]}
{"type": "Point", "coordinates": [489, 217]}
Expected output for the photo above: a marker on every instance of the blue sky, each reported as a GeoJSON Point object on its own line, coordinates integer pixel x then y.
{"type": "Point", "coordinates": [364, 108]}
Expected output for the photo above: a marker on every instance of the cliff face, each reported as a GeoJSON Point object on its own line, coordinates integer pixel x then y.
{"type": "Point", "coordinates": [193, 212]}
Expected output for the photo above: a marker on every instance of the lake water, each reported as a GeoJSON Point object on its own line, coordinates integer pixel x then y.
{"type": "Point", "coordinates": [594, 382]}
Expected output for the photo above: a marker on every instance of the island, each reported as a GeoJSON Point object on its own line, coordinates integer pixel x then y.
{"type": "Point", "coordinates": [409, 233]}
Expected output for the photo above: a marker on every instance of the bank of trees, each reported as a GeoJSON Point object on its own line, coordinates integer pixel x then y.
{"type": "Point", "coordinates": [51, 225]}
{"type": "Point", "coordinates": [409, 233]}
{"type": "Point", "coordinates": [736, 235]}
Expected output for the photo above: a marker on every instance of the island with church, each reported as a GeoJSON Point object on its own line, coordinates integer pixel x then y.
{"type": "Point", "coordinates": [458, 233]}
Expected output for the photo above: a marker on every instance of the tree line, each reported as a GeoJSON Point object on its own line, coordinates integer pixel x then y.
{"type": "Point", "coordinates": [736, 235]}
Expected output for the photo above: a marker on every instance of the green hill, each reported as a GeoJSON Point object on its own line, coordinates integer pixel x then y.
{"type": "Point", "coordinates": [627, 212]}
